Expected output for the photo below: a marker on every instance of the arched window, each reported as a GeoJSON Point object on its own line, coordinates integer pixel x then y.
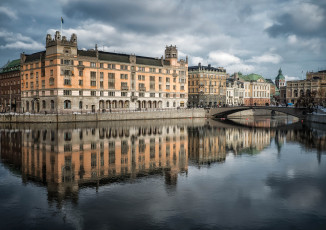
{"type": "Point", "coordinates": [27, 105]}
{"type": "Point", "coordinates": [67, 104]}
{"type": "Point", "coordinates": [80, 105]}
{"type": "Point", "coordinates": [52, 104]}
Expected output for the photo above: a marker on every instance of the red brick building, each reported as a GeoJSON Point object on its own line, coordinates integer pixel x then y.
{"type": "Point", "coordinates": [10, 99]}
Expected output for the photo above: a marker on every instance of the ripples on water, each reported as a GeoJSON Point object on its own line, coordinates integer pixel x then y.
{"type": "Point", "coordinates": [260, 173]}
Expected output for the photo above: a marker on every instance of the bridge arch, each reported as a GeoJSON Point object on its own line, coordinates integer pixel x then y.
{"type": "Point", "coordinates": [225, 111]}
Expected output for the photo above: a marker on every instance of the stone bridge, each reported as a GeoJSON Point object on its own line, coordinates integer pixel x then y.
{"type": "Point", "coordinates": [220, 112]}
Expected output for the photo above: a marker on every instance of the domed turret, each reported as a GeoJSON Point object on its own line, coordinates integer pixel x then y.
{"type": "Point", "coordinates": [280, 79]}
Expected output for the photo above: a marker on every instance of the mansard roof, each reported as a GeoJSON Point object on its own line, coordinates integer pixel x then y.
{"type": "Point", "coordinates": [34, 56]}
{"type": "Point", "coordinates": [123, 58]}
{"type": "Point", "coordinates": [11, 66]}
{"type": "Point", "coordinates": [208, 68]}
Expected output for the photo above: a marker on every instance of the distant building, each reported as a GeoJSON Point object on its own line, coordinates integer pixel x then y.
{"type": "Point", "coordinates": [315, 83]}
{"type": "Point", "coordinates": [10, 99]}
{"type": "Point", "coordinates": [65, 79]}
{"type": "Point", "coordinates": [274, 91]}
{"type": "Point", "coordinates": [280, 79]}
{"type": "Point", "coordinates": [257, 90]}
{"type": "Point", "coordinates": [234, 91]}
{"type": "Point", "coordinates": [281, 87]}
{"type": "Point", "coordinates": [206, 86]}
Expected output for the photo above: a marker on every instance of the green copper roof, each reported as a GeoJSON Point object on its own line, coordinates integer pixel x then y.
{"type": "Point", "coordinates": [280, 75]}
{"type": "Point", "coordinates": [251, 77]}
{"type": "Point", "coordinates": [12, 66]}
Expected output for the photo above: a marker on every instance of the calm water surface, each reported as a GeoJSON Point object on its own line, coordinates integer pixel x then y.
{"type": "Point", "coordinates": [259, 173]}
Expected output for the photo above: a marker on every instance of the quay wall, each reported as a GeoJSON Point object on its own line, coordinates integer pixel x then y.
{"type": "Point", "coordinates": [114, 116]}
{"type": "Point", "coordinates": [317, 118]}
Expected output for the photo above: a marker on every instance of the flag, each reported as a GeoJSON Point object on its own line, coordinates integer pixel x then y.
{"type": "Point", "coordinates": [61, 20]}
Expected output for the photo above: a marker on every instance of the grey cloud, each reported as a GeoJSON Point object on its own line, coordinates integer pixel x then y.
{"type": "Point", "coordinates": [290, 22]}
{"type": "Point", "coordinates": [145, 16]}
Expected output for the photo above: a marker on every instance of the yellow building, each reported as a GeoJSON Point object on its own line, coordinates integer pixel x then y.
{"type": "Point", "coordinates": [207, 86]}
{"type": "Point", "coordinates": [257, 90]}
{"type": "Point", "coordinates": [65, 79]}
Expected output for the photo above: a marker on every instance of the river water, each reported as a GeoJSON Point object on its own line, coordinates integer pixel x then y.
{"type": "Point", "coordinates": [253, 173]}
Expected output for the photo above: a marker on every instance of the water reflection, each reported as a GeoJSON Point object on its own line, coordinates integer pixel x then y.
{"type": "Point", "coordinates": [67, 157]}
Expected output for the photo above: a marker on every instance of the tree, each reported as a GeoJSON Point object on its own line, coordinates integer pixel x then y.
{"type": "Point", "coordinates": [306, 100]}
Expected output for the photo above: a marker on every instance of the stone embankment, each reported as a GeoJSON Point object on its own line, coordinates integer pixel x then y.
{"type": "Point", "coordinates": [317, 118]}
{"type": "Point", "coordinates": [114, 116]}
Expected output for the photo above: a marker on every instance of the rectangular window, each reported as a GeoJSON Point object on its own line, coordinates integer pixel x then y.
{"type": "Point", "coordinates": [93, 64]}
{"type": "Point", "coordinates": [124, 86]}
{"type": "Point", "coordinates": [43, 84]}
{"type": "Point", "coordinates": [93, 78]}
{"type": "Point", "coordinates": [67, 82]}
{"type": "Point", "coordinates": [80, 73]}
{"type": "Point", "coordinates": [111, 78]}
{"type": "Point", "coordinates": [67, 92]}
{"type": "Point", "coordinates": [152, 94]}
{"type": "Point", "coordinates": [123, 76]}
{"type": "Point", "coordinates": [93, 93]}
{"type": "Point", "coordinates": [101, 65]}
{"type": "Point", "coordinates": [111, 94]}
{"type": "Point", "coordinates": [80, 82]}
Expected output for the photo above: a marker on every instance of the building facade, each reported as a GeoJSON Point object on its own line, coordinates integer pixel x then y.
{"type": "Point", "coordinates": [10, 99]}
{"type": "Point", "coordinates": [234, 92]}
{"type": "Point", "coordinates": [206, 86]}
{"type": "Point", "coordinates": [65, 79]}
{"type": "Point", "coordinates": [256, 90]}
{"type": "Point", "coordinates": [314, 84]}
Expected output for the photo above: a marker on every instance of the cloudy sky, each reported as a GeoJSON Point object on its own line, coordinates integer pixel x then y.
{"type": "Point", "coordinates": [257, 36]}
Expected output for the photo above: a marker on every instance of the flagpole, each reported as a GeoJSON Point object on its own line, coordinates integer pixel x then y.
{"type": "Point", "coordinates": [61, 25]}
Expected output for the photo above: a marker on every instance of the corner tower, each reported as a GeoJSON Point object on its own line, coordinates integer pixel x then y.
{"type": "Point", "coordinates": [60, 45]}
{"type": "Point", "coordinates": [171, 54]}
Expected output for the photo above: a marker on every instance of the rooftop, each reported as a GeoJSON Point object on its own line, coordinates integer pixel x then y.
{"type": "Point", "coordinates": [11, 66]}
{"type": "Point", "coordinates": [209, 68]}
{"type": "Point", "coordinates": [251, 77]}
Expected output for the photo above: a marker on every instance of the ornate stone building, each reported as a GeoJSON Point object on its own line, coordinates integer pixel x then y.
{"type": "Point", "coordinates": [10, 87]}
{"type": "Point", "coordinates": [65, 79]}
{"type": "Point", "coordinates": [207, 86]}
{"type": "Point", "coordinates": [315, 82]}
